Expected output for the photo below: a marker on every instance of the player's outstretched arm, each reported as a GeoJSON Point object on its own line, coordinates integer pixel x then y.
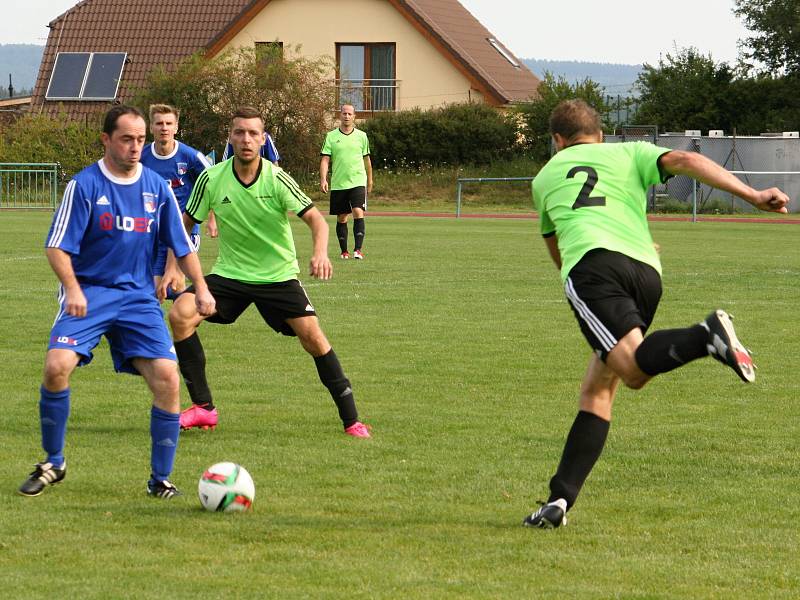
{"type": "Point", "coordinates": [74, 301]}
{"type": "Point", "coordinates": [320, 266]}
{"type": "Point", "coordinates": [705, 170]}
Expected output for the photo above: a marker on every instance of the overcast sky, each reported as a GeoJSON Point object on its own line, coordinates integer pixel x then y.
{"type": "Point", "coordinates": [616, 31]}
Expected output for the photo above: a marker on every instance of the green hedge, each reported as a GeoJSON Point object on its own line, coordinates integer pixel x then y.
{"type": "Point", "coordinates": [456, 134]}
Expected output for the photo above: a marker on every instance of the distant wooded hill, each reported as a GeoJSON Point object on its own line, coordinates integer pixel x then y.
{"type": "Point", "coordinates": [616, 79]}
{"type": "Point", "coordinates": [21, 61]}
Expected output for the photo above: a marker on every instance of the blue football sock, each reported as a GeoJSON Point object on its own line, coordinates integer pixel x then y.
{"type": "Point", "coordinates": [164, 430]}
{"type": "Point", "coordinates": [53, 415]}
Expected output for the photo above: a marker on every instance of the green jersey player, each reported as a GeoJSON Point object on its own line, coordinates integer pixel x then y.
{"type": "Point", "coordinates": [257, 265]}
{"type": "Point", "coordinates": [346, 150]}
{"type": "Point", "coordinates": [591, 199]}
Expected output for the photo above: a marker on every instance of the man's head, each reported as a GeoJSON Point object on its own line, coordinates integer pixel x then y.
{"type": "Point", "coordinates": [348, 115]}
{"type": "Point", "coordinates": [163, 122]}
{"type": "Point", "coordinates": [574, 121]}
{"type": "Point", "coordinates": [247, 134]}
{"type": "Point", "coordinates": [123, 138]}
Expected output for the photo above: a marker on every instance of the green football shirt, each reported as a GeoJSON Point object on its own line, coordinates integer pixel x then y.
{"type": "Point", "coordinates": [347, 152]}
{"type": "Point", "coordinates": [255, 237]}
{"type": "Point", "coordinates": [595, 196]}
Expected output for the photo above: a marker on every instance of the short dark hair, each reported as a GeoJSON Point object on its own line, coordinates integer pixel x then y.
{"type": "Point", "coordinates": [572, 118]}
{"type": "Point", "coordinates": [247, 112]}
{"type": "Point", "coordinates": [113, 115]}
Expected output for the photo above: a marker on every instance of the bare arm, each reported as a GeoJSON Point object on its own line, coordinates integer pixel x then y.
{"type": "Point", "coordinates": [321, 266]}
{"type": "Point", "coordinates": [368, 167]}
{"type": "Point", "coordinates": [190, 264]}
{"type": "Point", "coordinates": [211, 225]}
{"type": "Point", "coordinates": [61, 263]}
{"type": "Point", "coordinates": [551, 242]}
{"type": "Point", "coordinates": [324, 163]}
{"type": "Point", "coordinates": [705, 170]}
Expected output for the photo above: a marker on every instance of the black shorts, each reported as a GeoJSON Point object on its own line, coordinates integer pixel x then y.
{"type": "Point", "coordinates": [275, 301]}
{"type": "Point", "coordinates": [611, 294]}
{"type": "Point", "coordinates": [344, 201]}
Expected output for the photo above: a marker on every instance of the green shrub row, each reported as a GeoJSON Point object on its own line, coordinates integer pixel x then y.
{"type": "Point", "coordinates": [453, 135]}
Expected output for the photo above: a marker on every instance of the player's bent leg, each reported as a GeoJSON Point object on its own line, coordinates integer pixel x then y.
{"type": "Point", "coordinates": [583, 447]}
{"type": "Point", "coordinates": [330, 373]}
{"type": "Point", "coordinates": [310, 335]}
{"type": "Point", "coordinates": [162, 378]}
{"type": "Point", "coordinates": [622, 360]}
{"type": "Point", "coordinates": [161, 375]}
{"type": "Point", "coordinates": [184, 320]}
{"type": "Point", "coordinates": [183, 317]}
{"type": "Point", "coordinates": [58, 366]}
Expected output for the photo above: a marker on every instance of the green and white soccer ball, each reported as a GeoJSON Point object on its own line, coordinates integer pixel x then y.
{"type": "Point", "coordinates": [226, 487]}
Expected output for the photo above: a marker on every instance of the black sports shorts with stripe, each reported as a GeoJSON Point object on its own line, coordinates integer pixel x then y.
{"type": "Point", "coordinates": [611, 294]}
{"type": "Point", "coordinates": [344, 201]}
{"type": "Point", "coordinates": [276, 302]}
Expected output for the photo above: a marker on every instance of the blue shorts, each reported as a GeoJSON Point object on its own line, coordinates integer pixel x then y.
{"type": "Point", "coordinates": [160, 260]}
{"type": "Point", "coordinates": [132, 322]}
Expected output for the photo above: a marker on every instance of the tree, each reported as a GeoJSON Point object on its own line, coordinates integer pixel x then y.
{"type": "Point", "coordinates": [687, 90]}
{"type": "Point", "coordinates": [295, 95]}
{"type": "Point", "coordinates": [535, 115]}
{"type": "Point", "coordinates": [38, 138]}
{"type": "Point", "coordinates": [776, 39]}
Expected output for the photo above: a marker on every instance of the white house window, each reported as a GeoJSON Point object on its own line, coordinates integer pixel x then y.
{"type": "Point", "coordinates": [86, 76]}
{"type": "Point", "coordinates": [503, 52]}
{"type": "Point", "coordinates": [366, 75]}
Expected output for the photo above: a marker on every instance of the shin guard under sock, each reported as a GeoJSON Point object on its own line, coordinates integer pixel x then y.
{"type": "Point", "coordinates": [333, 378]}
{"type": "Point", "coordinates": [341, 235]}
{"type": "Point", "coordinates": [164, 430]}
{"type": "Point", "coordinates": [192, 363]}
{"type": "Point", "coordinates": [53, 415]}
{"type": "Point", "coordinates": [668, 349]}
{"type": "Point", "coordinates": [583, 447]}
{"type": "Point", "coordinates": [359, 230]}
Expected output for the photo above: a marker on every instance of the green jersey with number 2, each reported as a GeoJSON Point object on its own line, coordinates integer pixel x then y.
{"type": "Point", "coordinates": [595, 196]}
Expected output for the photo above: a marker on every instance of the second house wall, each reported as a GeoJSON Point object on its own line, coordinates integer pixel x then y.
{"type": "Point", "coordinates": [426, 78]}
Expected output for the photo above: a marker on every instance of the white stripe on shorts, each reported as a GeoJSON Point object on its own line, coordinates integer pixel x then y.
{"type": "Point", "coordinates": [594, 324]}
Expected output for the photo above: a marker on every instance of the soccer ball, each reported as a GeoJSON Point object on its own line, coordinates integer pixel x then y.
{"type": "Point", "coordinates": [226, 487]}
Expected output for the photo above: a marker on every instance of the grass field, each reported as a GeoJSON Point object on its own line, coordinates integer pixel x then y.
{"type": "Point", "coordinates": [466, 361]}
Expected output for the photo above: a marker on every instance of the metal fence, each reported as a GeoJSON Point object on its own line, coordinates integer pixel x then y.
{"type": "Point", "coordinates": [29, 185]}
{"type": "Point", "coordinates": [760, 161]}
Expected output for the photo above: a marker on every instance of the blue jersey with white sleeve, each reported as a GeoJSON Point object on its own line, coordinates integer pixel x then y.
{"type": "Point", "coordinates": [111, 226]}
{"type": "Point", "coordinates": [180, 168]}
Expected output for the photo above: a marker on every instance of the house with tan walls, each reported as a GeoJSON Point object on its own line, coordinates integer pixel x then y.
{"type": "Point", "coordinates": [390, 55]}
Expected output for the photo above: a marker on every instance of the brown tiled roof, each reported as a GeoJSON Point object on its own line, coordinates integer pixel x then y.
{"type": "Point", "coordinates": [152, 32]}
{"type": "Point", "coordinates": [155, 32]}
{"type": "Point", "coordinates": [468, 40]}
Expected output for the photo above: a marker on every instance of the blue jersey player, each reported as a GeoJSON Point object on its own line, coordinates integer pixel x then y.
{"type": "Point", "coordinates": [180, 165]}
{"type": "Point", "coordinates": [101, 243]}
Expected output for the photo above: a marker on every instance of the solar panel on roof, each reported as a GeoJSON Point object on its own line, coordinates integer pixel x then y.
{"type": "Point", "coordinates": [66, 80]}
{"type": "Point", "coordinates": [86, 76]}
{"type": "Point", "coordinates": [105, 72]}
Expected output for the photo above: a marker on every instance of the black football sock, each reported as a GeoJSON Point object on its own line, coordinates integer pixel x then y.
{"type": "Point", "coordinates": [668, 349]}
{"type": "Point", "coordinates": [583, 447]}
{"type": "Point", "coordinates": [192, 363]}
{"type": "Point", "coordinates": [341, 235]}
{"type": "Point", "coordinates": [333, 378]}
{"type": "Point", "coordinates": [359, 228]}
